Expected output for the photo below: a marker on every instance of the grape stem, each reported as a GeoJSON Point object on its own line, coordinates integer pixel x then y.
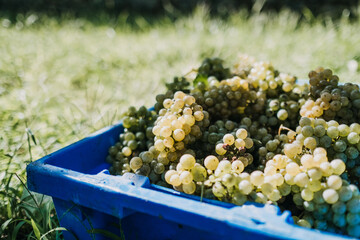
{"type": "Point", "coordinates": [191, 71]}
{"type": "Point", "coordinates": [282, 127]}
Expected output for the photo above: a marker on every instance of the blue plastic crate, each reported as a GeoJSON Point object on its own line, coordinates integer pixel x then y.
{"type": "Point", "coordinates": [89, 201]}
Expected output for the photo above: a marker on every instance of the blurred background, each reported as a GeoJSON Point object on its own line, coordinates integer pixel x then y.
{"type": "Point", "coordinates": [333, 8]}
{"type": "Point", "coordinates": [69, 68]}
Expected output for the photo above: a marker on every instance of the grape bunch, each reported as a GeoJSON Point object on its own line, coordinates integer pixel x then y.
{"type": "Point", "coordinates": [137, 137]}
{"type": "Point", "coordinates": [225, 100]}
{"type": "Point", "coordinates": [178, 84]}
{"type": "Point", "coordinates": [213, 67]}
{"type": "Point", "coordinates": [251, 133]}
{"type": "Point", "coordinates": [331, 101]}
{"type": "Point", "coordinates": [218, 176]}
{"type": "Point", "coordinates": [340, 141]}
{"type": "Point", "coordinates": [178, 123]}
{"type": "Point", "coordinates": [322, 197]}
{"type": "Point", "coordinates": [211, 136]}
{"type": "Point", "coordinates": [276, 96]}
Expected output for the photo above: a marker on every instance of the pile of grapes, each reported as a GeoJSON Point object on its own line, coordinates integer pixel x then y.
{"type": "Point", "coordinates": [251, 133]}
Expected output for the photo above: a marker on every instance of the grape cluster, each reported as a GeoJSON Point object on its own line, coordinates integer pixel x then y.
{"type": "Point", "coordinates": [178, 84]}
{"type": "Point", "coordinates": [213, 67]}
{"type": "Point", "coordinates": [226, 98]}
{"type": "Point", "coordinates": [285, 109]}
{"type": "Point", "coordinates": [229, 182]}
{"type": "Point", "coordinates": [219, 176]}
{"type": "Point", "coordinates": [243, 65]}
{"type": "Point", "coordinates": [212, 135]}
{"type": "Point", "coordinates": [233, 148]}
{"type": "Point", "coordinates": [160, 99]}
{"type": "Point", "coordinates": [330, 100]}
{"type": "Point", "coordinates": [186, 174]}
{"type": "Point", "coordinates": [253, 134]}
{"type": "Point", "coordinates": [318, 191]}
{"type": "Point", "coordinates": [179, 123]}
{"type": "Point", "coordinates": [278, 97]}
{"type": "Point", "coordinates": [270, 149]}
{"type": "Point", "coordinates": [263, 76]}
{"type": "Point", "coordinates": [137, 137]}
{"type": "Point", "coordinates": [340, 141]}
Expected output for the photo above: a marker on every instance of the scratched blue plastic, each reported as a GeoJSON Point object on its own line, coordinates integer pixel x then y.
{"type": "Point", "coordinates": [91, 204]}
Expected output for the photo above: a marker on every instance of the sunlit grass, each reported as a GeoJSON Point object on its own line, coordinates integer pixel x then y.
{"type": "Point", "coordinates": [62, 79]}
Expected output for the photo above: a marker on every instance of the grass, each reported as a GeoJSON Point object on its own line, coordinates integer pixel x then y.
{"type": "Point", "coordinates": [61, 79]}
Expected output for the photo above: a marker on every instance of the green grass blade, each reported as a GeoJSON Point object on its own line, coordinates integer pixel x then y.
{"type": "Point", "coordinates": [4, 225]}
{"type": "Point", "coordinates": [36, 229]}
{"type": "Point", "coordinates": [16, 229]}
{"type": "Point", "coordinates": [53, 230]}
{"type": "Point", "coordinates": [9, 210]}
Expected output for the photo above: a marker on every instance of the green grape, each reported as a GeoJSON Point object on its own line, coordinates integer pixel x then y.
{"type": "Point", "coordinates": [303, 223]}
{"type": "Point", "coordinates": [229, 139]}
{"type": "Point", "coordinates": [353, 205]}
{"type": "Point", "coordinates": [129, 136]}
{"type": "Point", "coordinates": [330, 196]}
{"type": "Point", "coordinates": [320, 224]}
{"type": "Point", "coordinates": [307, 131]}
{"type": "Point", "coordinates": [309, 206]}
{"type": "Point", "coordinates": [310, 143]}
{"type": "Point", "coordinates": [340, 146]}
{"type": "Point", "coordinates": [345, 194]}
{"type": "Point", "coordinates": [239, 198]}
{"type": "Point", "coordinates": [132, 144]}
{"type": "Point", "coordinates": [354, 230]}
{"type": "Point", "coordinates": [339, 207]}
{"type": "Point", "coordinates": [282, 114]}
{"type": "Point", "coordinates": [344, 130]}
{"type": "Point", "coordinates": [334, 182]}
{"type": "Point", "coordinates": [159, 168]}
{"type": "Point", "coordinates": [319, 131]}
{"type": "Point", "coordinates": [353, 218]}
{"type": "Point", "coordinates": [228, 180]}
{"type": "Point", "coordinates": [218, 190]}
{"type": "Point", "coordinates": [199, 173]}
{"type": "Point", "coordinates": [297, 199]}
{"type": "Point", "coordinates": [147, 156]}
{"type": "Point", "coordinates": [353, 138]}
{"type": "Point", "coordinates": [352, 152]}
{"type": "Point", "coordinates": [339, 220]}
{"type": "Point", "coordinates": [325, 141]}
{"type": "Point", "coordinates": [355, 127]}
{"type": "Point", "coordinates": [333, 132]}
{"type": "Point", "coordinates": [304, 121]}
